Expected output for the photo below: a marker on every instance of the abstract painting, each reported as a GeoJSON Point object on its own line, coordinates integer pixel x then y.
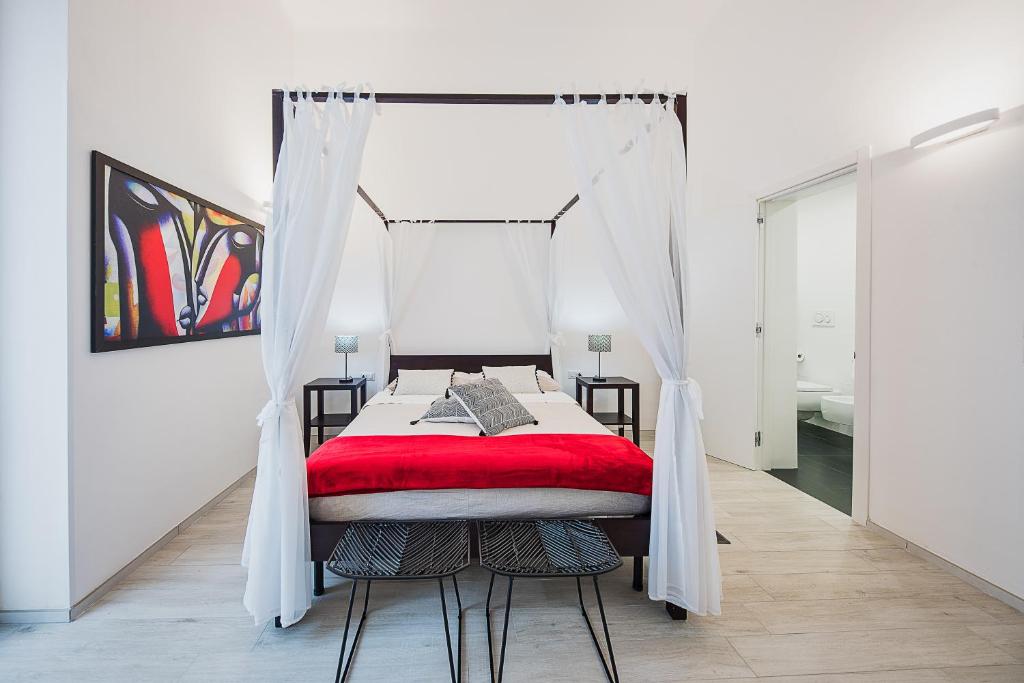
{"type": "Point", "coordinates": [168, 267]}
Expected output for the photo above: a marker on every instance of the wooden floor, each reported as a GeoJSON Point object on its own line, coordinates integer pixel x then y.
{"type": "Point", "coordinates": [808, 597]}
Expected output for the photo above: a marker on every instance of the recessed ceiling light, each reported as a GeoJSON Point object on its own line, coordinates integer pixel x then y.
{"type": "Point", "coordinates": [956, 129]}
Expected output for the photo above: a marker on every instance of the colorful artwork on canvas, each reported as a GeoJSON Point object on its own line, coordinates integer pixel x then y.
{"type": "Point", "coordinates": [168, 266]}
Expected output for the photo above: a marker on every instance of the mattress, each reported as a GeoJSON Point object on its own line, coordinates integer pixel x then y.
{"type": "Point", "coordinates": [530, 503]}
{"type": "Point", "coordinates": [556, 413]}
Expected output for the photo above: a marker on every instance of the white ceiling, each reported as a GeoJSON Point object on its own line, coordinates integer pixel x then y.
{"type": "Point", "coordinates": [391, 15]}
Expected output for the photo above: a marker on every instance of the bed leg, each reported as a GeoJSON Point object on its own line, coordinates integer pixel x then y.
{"type": "Point", "coordinates": [277, 622]}
{"type": "Point", "coordinates": [675, 611]}
{"type": "Point", "coordinates": [318, 578]}
{"type": "Point", "coordinates": [638, 573]}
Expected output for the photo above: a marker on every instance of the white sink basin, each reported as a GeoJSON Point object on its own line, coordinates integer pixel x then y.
{"type": "Point", "coordinates": [837, 409]}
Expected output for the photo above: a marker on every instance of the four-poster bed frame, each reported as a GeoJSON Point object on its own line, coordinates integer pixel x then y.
{"type": "Point", "coordinates": [630, 535]}
{"type": "Point", "coordinates": [277, 102]}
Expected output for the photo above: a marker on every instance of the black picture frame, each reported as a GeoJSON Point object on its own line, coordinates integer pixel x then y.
{"type": "Point", "coordinates": [99, 209]}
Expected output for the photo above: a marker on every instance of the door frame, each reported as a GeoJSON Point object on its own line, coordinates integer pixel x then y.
{"type": "Point", "coordinates": [858, 162]}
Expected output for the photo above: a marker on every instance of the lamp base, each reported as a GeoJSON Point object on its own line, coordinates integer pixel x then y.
{"type": "Point", "coordinates": [346, 380]}
{"type": "Point", "coordinates": [597, 378]}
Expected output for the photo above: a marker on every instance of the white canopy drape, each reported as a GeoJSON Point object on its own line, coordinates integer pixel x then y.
{"type": "Point", "coordinates": [403, 249]}
{"type": "Point", "coordinates": [535, 256]}
{"type": "Point", "coordinates": [314, 191]}
{"type": "Point", "coordinates": [630, 168]}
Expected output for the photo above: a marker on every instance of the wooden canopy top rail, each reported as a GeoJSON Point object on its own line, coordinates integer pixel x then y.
{"type": "Point", "coordinates": [277, 118]}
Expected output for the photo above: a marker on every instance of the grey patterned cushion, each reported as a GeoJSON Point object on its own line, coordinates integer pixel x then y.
{"type": "Point", "coordinates": [445, 410]}
{"type": "Point", "coordinates": [491, 406]}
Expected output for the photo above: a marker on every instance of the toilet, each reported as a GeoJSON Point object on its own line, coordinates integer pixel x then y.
{"type": "Point", "coordinates": [808, 398]}
{"type": "Point", "coordinates": [838, 409]}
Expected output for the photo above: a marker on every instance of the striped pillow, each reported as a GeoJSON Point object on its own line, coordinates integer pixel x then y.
{"type": "Point", "coordinates": [491, 406]}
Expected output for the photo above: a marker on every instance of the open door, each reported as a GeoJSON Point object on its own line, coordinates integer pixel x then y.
{"type": "Point", "coordinates": [808, 331]}
{"type": "Point", "coordinates": [778, 427]}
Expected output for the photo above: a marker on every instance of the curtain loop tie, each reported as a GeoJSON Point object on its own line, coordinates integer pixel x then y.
{"type": "Point", "coordinates": [274, 409]}
{"type": "Point", "coordinates": [693, 392]}
{"type": "Point", "coordinates": [385, 337]}
{"type": "Point", "coordinates": [556, 338]}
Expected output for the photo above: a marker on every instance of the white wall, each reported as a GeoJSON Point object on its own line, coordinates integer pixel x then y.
{"type": "Point", "coordinates": [34, 560]}
{"type": "Point", "coordinates": [826, 274]}
{"type": "Point", "coordinates": [467, 297]}
{"type": "Point", "coordinates": [447, 317]}
{"type": "Point", "coordinates": [784, 87]}
{"type": "Point", "coordinates": [180, 90]}
{"type": "Point", "coordinates": [948, 350]}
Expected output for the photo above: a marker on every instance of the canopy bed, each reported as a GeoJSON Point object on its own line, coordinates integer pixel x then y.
{"type": "Point", "coordinates": [628, 158]}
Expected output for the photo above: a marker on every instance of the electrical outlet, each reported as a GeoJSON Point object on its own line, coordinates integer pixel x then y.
{"type": "Point", "coordinates": [370, 376]}
{"type": "Point", "coordinates": [824, 319]}
{"type": "Point", "coordinates": [571, 374]}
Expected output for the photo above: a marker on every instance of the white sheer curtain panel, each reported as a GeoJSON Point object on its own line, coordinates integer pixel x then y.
{"type": "Point", "coordinates": [386, 258]}
{"type": "Point", "coordinates": [314, 191]}
{"type": "Point", "coordinates": [403, 251]}
{"type": "Point", "coordinates": [533, 250]}
{"type": "Point", "coordinates": [630, 168]}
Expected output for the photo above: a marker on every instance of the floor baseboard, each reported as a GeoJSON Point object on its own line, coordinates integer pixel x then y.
{"type": "Point", "coordinates": [93, 597]}
{"type": "Point", "coordinates": [35, 616]}
{"type": "Point", "coordinates": [981, 584]}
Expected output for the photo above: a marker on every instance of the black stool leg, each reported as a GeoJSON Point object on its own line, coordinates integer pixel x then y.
{"type": "Point", "coordinates": [344, 638]}
{"type": "Point", "coordinates": [341, 675]}
{"type": "Point", "coordinates": [607, 635]}
{"type": "Point", "coordinates": [638, 573]}
{"type": "Point", "coordinates": [487, 614]}
{"type": "Point", "coordinates": [504, 631]}
{"type": "Point", "coordinates": [447, 633]}
{"type": "Point", "coordinates": [458, 602]}
{"type": "Point", "coordinates": [590, 628]}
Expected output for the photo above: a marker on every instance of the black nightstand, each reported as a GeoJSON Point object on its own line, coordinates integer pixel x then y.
{"type": "Point", "coordinates": [357, 399]}
{"type": "Point", "coordinates": [618, 419]}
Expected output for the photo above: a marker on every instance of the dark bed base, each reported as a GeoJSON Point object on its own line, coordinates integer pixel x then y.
{"type": "Point", "coordinates": [629, 535]}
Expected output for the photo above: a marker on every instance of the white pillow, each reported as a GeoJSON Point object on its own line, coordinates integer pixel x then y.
{"type": "Point", "coordinates": [547, 382]}
{"type": "Point", "coordinates": [518, 379]}
{"type": "Point", "coordinates": [423, 382]}
{"type": "Point", "coordinates": [461, 378]}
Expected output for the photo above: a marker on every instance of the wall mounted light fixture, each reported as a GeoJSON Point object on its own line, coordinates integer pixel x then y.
{"type": "Point", "coordinates": [956, 129]}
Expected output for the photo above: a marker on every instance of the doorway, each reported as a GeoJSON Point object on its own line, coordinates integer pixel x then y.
{"type": "Point", "coordinates": [807, 329]}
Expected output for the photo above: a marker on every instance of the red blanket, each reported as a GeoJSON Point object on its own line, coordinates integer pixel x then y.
{"type": "Point", "coordinates": [372, 464]}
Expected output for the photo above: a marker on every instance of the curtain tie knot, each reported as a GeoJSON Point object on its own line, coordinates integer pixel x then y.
{"type": "Point", "coordinates": [556, 338]}
{"type": "Point", "coordinates": [693, 392]}
{"type": "Point", "coordinates": [385, 337]}
{"type": "Point", "coordinates": [273, 409]}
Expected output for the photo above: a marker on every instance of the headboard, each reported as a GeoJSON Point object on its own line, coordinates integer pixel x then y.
{"type": "Point", "coordinates": [466, 363]}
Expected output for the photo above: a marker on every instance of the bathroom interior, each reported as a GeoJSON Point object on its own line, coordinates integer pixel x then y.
{"type": "Point", "coordinates": [809, 295]}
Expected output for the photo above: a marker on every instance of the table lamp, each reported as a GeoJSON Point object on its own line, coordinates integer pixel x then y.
{"type": "Point", "coordinates": [346, 344]}
{"type": "Point", "coordinates": [600, 343]}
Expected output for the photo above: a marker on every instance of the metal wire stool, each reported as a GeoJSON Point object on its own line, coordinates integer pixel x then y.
{"type": "Point", "coordinates": [401, 551]}
{"type": "Point", "coordinates": [547, 548]}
